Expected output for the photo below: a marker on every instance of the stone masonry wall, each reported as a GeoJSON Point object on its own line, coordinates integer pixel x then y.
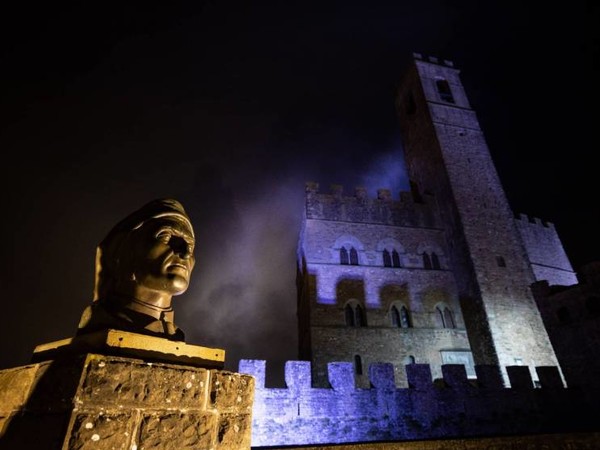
{"type": "Point", "coordinates": [457, 407]}
{"type": "Point", "coordinates": [101, 402]}
{"type": "Point", "coordinates": [545, 251]}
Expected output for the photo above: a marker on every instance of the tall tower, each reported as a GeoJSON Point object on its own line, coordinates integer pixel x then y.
{"type": "Point", "coordinates": [447, 156]}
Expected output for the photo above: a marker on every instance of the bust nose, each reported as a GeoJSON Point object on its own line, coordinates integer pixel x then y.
{"type": "Point", "coordinates": [182, 248]}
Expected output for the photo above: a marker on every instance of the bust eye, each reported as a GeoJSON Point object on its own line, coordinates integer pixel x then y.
{"type": "Point", "coordinates": [164, 237]}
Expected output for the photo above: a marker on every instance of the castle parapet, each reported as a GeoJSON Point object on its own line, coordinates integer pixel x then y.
{"type": "Point", "coordinates": [453, 406]}
{"type": "Point", "coordinates": [361, 208]}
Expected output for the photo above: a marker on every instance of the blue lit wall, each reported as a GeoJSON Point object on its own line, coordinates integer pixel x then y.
{"type": "Point", "coordinates": [454, 407]}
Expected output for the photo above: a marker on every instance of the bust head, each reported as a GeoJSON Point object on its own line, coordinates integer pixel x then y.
{"type": "Point", "coordinates": [145, 260]}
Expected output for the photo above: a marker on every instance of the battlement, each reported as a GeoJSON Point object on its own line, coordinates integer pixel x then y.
{"type": "Point", "coordinates": [451, 407]}
{"type": "Point", "coordinates": [412, 208]}
{"type": "Point", "coordinates": [533, 221]}
{"type": "Point", "coordinates": [381, 375]}
{"type": "Point", "coordinates": [433, 59]}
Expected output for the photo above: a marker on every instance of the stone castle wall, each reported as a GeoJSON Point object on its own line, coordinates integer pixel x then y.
{"type": "Point", "coordinates": [456, 407]}
{"type": "Point", "coordinates": [545, 251]}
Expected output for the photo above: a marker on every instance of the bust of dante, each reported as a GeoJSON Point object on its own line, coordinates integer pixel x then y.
{"type": "Point", "coordinates": [145, 260]}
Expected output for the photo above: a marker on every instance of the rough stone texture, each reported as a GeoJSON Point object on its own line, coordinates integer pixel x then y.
{"type": "Point", "coordinates": [129, 383]}
{"type": "Point", "coordinates": [571, 315]}
{"type": "Point", "coordinates": [451, 407]}
{"type": "Point", "coordinates": [545, 251]}
{"type": "Point", "coordinates": [96, 430]}
{"type": "Point", "coordinates": [108, 402]}
{"type": "Point", "coordinates": [178, 431]}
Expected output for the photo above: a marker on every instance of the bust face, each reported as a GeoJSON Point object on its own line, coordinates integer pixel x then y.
{"type": "Point", "coordinates": [163, 256]}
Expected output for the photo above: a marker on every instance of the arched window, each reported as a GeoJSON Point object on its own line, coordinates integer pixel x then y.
{"type": "Point", "coordinates": [444, 317]}
{"type": "Point", "coordinates": [439, 317]}
{"type": "Point", "coordinates": [400, 317]}
{"type": "Point", "coordinates": [395, 316]}
{"type": "Point", "coordinates": [387, 261]}
{"type": "Point", "coordinates": [354, 315]}
{"type": "Point", "coordinates": [395, 258]}
{"type": "Point", "coordinates": [358, 365]}
{"type": "Point", "coordinates": [349, 313]}
{"type": "Point", "coordinates": [405, 318]}
{"type": "Point", "coordinates": [444, 90]}
{"type": "Point", "coordinates": [426, 261]}
{"type": "Point", "coordinates": [435, 261]}
{"type": "Point", "coordinates": [359, 318]}
{"type": "Point", "coordinates": [353, 257]}
{"type": "Point", "coordinates": [448, 318]}
{"type": "Point", "coordinates": [344, 256]}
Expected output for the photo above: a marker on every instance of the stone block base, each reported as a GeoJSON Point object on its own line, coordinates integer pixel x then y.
{"type": "Point", "coordinates": [94, 401]}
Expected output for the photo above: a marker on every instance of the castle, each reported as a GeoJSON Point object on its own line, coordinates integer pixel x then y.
{"type": "Point", "coordinates": [397, 298]}
{"type": "Point", "coordinates": [439, 320]}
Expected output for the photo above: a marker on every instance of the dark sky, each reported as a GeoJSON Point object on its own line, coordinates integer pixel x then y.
{"type": "Point", "coordinates": [230, 107]}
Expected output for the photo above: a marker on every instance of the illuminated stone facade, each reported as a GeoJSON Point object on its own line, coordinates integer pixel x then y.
{"type": "Point", "coordinates": [441, 275]}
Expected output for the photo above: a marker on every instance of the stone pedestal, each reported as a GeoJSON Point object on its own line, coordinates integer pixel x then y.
{"type": "Point", "coordinates": [94, 401]}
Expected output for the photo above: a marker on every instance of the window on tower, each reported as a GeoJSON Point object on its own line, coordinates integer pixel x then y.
{"type": "Point", "coordinates": [444, 317]}
{"type": "Point", "coordinates": [387, 260]}
{"type": "Point", "coordinates": [395, 316]}
{"type": "Point", "coordinates": [405, 318]}
{"type": "Point", "coordinates": [354, 315]}
{"type": "Point", "coordinates": [344, 256]}
{"type": "Point", "coordinates": [444, 90]}
{"type": "Point", "coordinates": [426, 261]}
{"type": "Point", "coordinates": [358, 365]}
{"type": "Point", "coordinates": [359, 317]}
{"type": "Point", "coordinates": [353, 257]}
{"type": "Point", "coordinates": [395, 258]}
{"type": "Point", "coordinates": [400, 317]}
{"type": "Point", "coordinates": [349, 314]}
{"type": "Point", "coordinates": [435, 261]}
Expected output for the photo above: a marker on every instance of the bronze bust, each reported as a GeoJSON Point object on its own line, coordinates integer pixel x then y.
{"type": "Point", "coordinates": [144, 261]}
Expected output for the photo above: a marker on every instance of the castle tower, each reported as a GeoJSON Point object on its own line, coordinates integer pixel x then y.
{"type": "Point", "coordinates": [447, 156]}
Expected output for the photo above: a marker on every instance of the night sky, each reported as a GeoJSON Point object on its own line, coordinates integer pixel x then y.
{"type": "Point", "coordinates": [230, 107]}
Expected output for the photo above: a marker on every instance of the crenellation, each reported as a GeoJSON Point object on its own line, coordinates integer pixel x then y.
{"type": "Point", "coordinates": [361, 208]}
{"type": "Point", "coordinates": [360, 193]}
{"type": "Point", "coordinates": [455, 376]}
{"type": "Point", "coordinates": [520, 377]}
{"type": "Point", "coordinates": [426, 409]}
{"type": "Point", "coordinates": [384, 194]}
{"type": "Point", "coordinates": [381, 376]}
{"type": "Point", "coordinates": [419, 376]}
{"type": "Point", "coordinates": [549, 377]}
{"type": "Point", "coordinates": [533, 221]}
{"type": "Point", "coordinates": [255, 367]}
{"type": "Point", "coordinates": [297, 375]}
{"type": "Point", "coordinates": [489, 377]}
{"type": "Point", "coordinates": [341, 376]}
{"type": "Point", "coordinates": [337, 190]}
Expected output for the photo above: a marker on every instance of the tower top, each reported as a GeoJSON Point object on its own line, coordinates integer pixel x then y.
{"type": "Point", "coordinates": [433, 59]}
